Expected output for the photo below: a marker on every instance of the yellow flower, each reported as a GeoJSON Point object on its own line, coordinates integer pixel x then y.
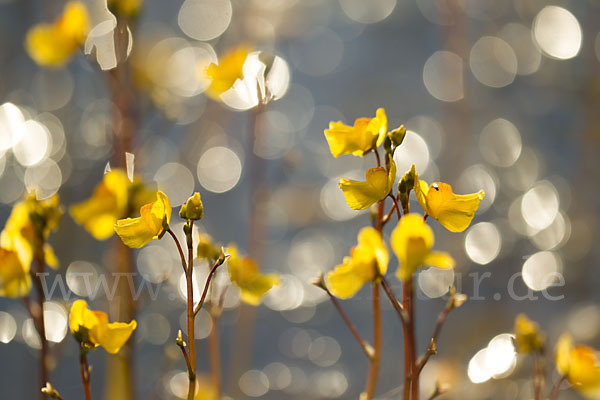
{"type": "Point", "coordinates": [368, 260]}
{"type": "Point", "coordinates": [580, 365]}
{"type": "Point", "coordinates": [112, 199]}
{"type": "Point", "coordinates": [205, 390]}
{"type": "Point", "coordinates": [364, 136]}
{"type": "Point", "coordinates": [223, 75]}
{"type": "Point", "coordinates": [528, 335]}
{"type": "Point", "coordinates": [14, 277]}
{"type": "Point", "coordinates": [453, 211]}
{"type": "Point", "coordinates": [52, 45]}
{"type": "Point", "coordinates": [207, 248]}
{"type": "Point", "coordinates": [125, 7]}
{"type": "Point", "coordinates": [92, 328]}
{"type": "Point", "coordinates": [412, 241]}
{"type": "Point", "coordinates": [154, 217]}
{"type": "Point", "coordinates": [29, 221]}
{"type": "Point", "coordinates": [377, 185]}
{"type": "Point", "coordinates": [193, 208]}
{"type": "Point", "coordinates": [244, 273]}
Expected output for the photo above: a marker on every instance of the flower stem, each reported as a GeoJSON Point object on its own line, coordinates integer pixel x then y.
{"type": "Point", "coordinates": [375, 359]}
{"type": "Point", "coordinates": [363, 343]}
{"type": "Point", "coordinates": [556, 388]}
{"type": "Point", "coordinates": [538, 375]}
{"type": "Point", "coordinates": [214, 352]}
{"type": "Point", "coordinates": [216, 265]}
{"type": "Point", "coordinates": [181, 256]}
{"type": "Point", "coordinates": [84, 368]}
{"type": "Point", "coordinates": [393, 300]}
{"type": "Point", "coordinates": [191, 315]}
{"type": "Point", "coordinates": [38, 317]}
{"type": "Point", "coordinates": [409, 343]}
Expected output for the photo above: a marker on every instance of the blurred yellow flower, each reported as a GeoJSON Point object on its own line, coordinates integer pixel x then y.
{"type": "Point", "coordinates": [91, 328]}
{"type": "Point", "coordinates": [244, 273]}
{"type": "Point", "coordinates": [29, 221]}
{"type": "Point", "coordinates": [125, 7]}
{"type": "Point", "coordinates": [377, 185]}
{"type": "Point", "coordinates": [580, 365]}
{"type": "Point", "coordinates": [207, 248]}
{"type": "Point", "coordinates": [112, 199]}
{"type": "Point", "coordinates": [52, 45]}
{"type": "Point", "coordinates": [14, 277]}
{"type": "Point", "coordinates": [527, 335]}
{"type": "Point", "coordinates": [205, 390]}
{"type": "Point", "coordinates": [412, 241]}
{"type": "Point", "coordinates": [454, 211]}
{"type": "Point", "coordinates": [365, 135]}
{"type": "Point", "coordinates": [368, 260]}
{"type": "Point", "coordinates": [223, 75]}
{"type": "Point", "coordinates": [153, 220]}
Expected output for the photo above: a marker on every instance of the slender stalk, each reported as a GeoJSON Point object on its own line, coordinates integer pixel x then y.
{"type": "Point", "coordinates": [181, 256]}
{"type": "Point", "coordinates": [84, 368]}
{"type": "Point", "coordinates": [38, 315]}
{"type": "Point", "coordinates": [363, 343]}
{"type": "Point", "coordinates": [431, 350]}
{"type": "Point", "coordinates": [413, 348]}
{"type": "Point", "coordinates": [378, 158]}
{"type": "Point", "coordinates": [216, 265]}
{"type": "Point", "coordinates": [375, 360]}
{"type": "Point", "coordinates": [190, 315]}
{"type": "Point", "coordinates": [214, 352]}
{"type": "Point", "coordinates": [538, 375]}
{"type": "Point", "coordinates": [409, 353]}
{"type": "Point", "coordinates": [392, 297]}
{"type": "Point", "coordinates": [556, 388]}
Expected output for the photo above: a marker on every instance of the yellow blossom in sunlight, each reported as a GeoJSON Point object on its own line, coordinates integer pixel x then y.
{"type": "Point", "coordinates": [193, 208]}
{"type": "Point", "coordinates": [368, 259]}
{"type": "Point", "coordinates": [207, 248]}
{"type": "Point", "coordinates": [14, 277]}
{"type": "Point", "coordinates": [205, 390]}
{"type": "Point", "coordinates": [92, 328]}
{"type": "Point", "coordinates": [412, 241]}
{"type": "Point", "coordinates": [223, 75]}
{"type": "Point", "coordinates": [377, 185]}
{"type": "Point", "coordinates": [244, 273]}
{"type": "Point", "coordinates": [112, 199]}
{"type": "Point", "coordinates": [454, 211]}
{"type": "Point", "coordinates": [31, 220]}
{"type": "Point", "coordinates": [527, 335]}
{"type": "Point", "coordinates": [580, 365]}
{"type": "Point", "coordinates": [52, 45]}
{"type": "Point", "coordinates": [365, 135]}
{"type": "Point", "coordinates": [125, 7]}
{"type": "Point", "coordinates": [151, 224]}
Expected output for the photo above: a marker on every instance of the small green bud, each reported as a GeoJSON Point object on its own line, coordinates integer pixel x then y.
{"type": "Point", "coordinates": [193, 208]}
{"type": "Point", "coordinates": [222, 257]}
{"type": "Point", "coordinates": [407, 182]}
{"type": "Point", "coordinates": [397, 135]}
{"type": "Point", "coordinates": [49, 390]}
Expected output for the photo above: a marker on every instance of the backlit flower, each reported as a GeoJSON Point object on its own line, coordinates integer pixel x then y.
{"type": "Point", "coordinates": [454, 211]}
{"type": "Point", "coordinates": [580, 365]}
{"type": "Point", "coordinates": [412, 241]}
{"type": "Point", "coordinates": [244, 273]}
{"type": "Point", "coordinates": [151, 224]}
{"type": "Point", "coordinates": [224, 74]}
{"type": "Point", "coordinates": [377, 185]}
{"type": "Point", "coordinates": [365, 135]}
{"type": "Point", "coordinates": [14, 277]}
{"type": "Point", "coordinates": [527, 335]}
{"type": "Point", "coordinates": [91, 328]}
{"type": "Point", "coordinates": [368, 259]}
{"type": "Point", "coordinates": [52, 45]}
{"type": "Point", "coordinates": [112, 199]}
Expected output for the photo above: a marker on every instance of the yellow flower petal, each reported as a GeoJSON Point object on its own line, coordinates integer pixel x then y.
{"type": "Point", "coordinates": [563, 354]}
{"type": "Point", "coordinates": [52, 45]}
{"type": "Point", "coordinates": [136, 232]}
{"type": "Point", "coordinates": [412, 241]}
{"type": "Point", "coordinates": [527, 335]}
{"type": "Point", "coordinates": [14, 278]}
{"type": "Point", "coordinates": [455, 212]}
{"type": "Point", "coordinates": [108, 203]}
{"type": "Point", "coordinates": [244, 273]}
{"type": "Point", "coordinates": [342, 282]}
{"type": "Point", "coordinates": [93, 328]}
{"type": "Point", "coordinates": [377, 185]}
{"type": "Point", "coordinates": [366, 134]}
{"type": "Point", "coordinates": [368, 259]}
{"type": "Point", "coordinates": [227, 72]}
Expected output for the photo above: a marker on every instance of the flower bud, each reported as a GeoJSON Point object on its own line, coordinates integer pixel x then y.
{"type": "Point", "coordinates": [193, 208]}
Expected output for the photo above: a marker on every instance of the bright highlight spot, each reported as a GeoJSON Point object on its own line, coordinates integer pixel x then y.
{"type": "Point", "coordinates": [540, 205]}
{"type": "Point", "coordinates": [557, 32]}
{"type": "Point", "coordinates": [219, 169]}
{"type": "Point", "coordinates": [493, 62]}
{"type": "Point", "coordinates": [541, 270]}
{"type": "Point", "coordinates": [204, 19]}
{"type": "Point", "coordinates": [443, 76]}
{"type": "Point", "coordinates": [368, 12]}
{"type": "Point", "coordinates": [483, 243]}
{"type": "Point", "coordinates": [500, 143]}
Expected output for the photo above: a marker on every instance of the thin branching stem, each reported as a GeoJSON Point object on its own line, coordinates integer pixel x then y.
{"type": "Point", "coordinates": [374, 361]}
{"type": "Point", "coordinates": [84, 369]}
{"type": "Point", "coordinates": [181, 255]}
{"type": "Point", "coordinates": [393, 300]}
{"type": "Point", "coordinates": [216, 265]}
{"type": "Point", "coordinates": [556, 388]}
{"type": "Point", "coordinates": [190, 314]}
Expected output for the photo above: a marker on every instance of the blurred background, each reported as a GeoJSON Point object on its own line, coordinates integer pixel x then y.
{"type": "Point", "coordinates": [499, 95]}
